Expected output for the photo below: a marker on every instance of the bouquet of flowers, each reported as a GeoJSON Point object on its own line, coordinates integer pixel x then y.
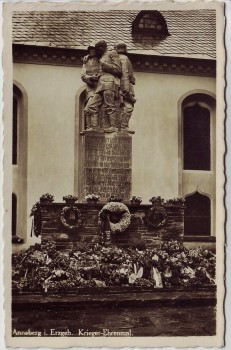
{"type": "Point", "coordinates": [47, 198]}
{"type": "Point", "coordinates": [115, 198]}
{"type": "Point", "coordinates": [176, 201]}
{"type": "Point", "coordinates": [92, 197]}
{"type": "Point", "coordinates": [157, 200]}
{"type": "Point", "coordinates": [136, 200]}
{"type": "Point", "coordinates": [70, 198]}
{"type": "Point", "coordinates": [34, 209]}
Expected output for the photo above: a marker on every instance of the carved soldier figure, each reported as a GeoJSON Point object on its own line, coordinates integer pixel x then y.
{"type": "Point", "coordinates": [127, 82]}
{"type": "Point", "coordinates": [107, 90]}
{"type": "Point", "coordinates": [89, 75]}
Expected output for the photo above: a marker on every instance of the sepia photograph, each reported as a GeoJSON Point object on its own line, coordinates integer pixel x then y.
{"type": "Point", "coordinates": [114, 174]}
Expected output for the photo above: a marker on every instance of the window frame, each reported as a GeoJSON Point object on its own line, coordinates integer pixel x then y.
{"type": "Point", "coordinates": [15, 128]}
{"type": "Point", "coordinates": [19, 170]}
{"type": "Point", "coordinates": [150, 31]}
{"type": "Point", "coordinates": [201, 180]}
{"type": "Point", "coordinates": [205, 195]}
{"type": "Point", "coordinates": [206, 106]}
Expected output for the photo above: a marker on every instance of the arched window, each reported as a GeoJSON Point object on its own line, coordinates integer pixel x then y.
{"type": "Point", "coordinates": [150, 23]}
{"type": "Point", "coordinates": [80, 126]}
{"type": "Point", "coordinates": [197, 220]}
{"type": "Point", "coordinates": [196, 138]}
{"type": "Point", "coordinates": [19, 163]}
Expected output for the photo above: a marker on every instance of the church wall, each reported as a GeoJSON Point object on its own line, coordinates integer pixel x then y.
{"type": "Point", "coordinates": [51, 130]}
{"type": "Point", "coordinates": [156, 122]}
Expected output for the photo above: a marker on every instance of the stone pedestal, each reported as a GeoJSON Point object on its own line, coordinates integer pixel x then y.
{"type": "Point", "coordinates": [106, 164]}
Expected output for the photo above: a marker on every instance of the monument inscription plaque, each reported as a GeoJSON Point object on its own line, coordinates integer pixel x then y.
{"type": "Point", "coordinates": [106, 164]}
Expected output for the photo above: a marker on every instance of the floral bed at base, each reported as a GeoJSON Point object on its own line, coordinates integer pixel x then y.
{"type": "Point", "coordinates": [48, 270]}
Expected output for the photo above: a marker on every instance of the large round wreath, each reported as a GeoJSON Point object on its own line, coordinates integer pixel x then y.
{"type": "Point", "coordinates": [156, 217]}
{"type": "Point", "coordinates": [79, 219]}
{"type": "Point", "coordinates": [116, 208]}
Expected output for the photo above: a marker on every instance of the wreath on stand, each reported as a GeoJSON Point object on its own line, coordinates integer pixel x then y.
{"type": "Point", "coordinates": [36, 225]}
{"type": "Point", "coordinates": [118, 216]}
{"type": "Point", "coordinates": [156, 217]}
{"type": "Point", "coordinates": [75, 215]}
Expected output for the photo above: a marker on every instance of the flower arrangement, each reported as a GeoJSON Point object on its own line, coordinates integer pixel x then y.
{"type": "Point", "coordinates": [156, 217]}
{"type": "Point", "coordinates": [70, 198]}
{"type": "Point", "coordinates": [118, 209]}
{"type": "Point", "coordinates": [115, 198]}
{"type": "Point", "coordinates": [136, 200]}
{"type": "Point", "coordinates": [35, 209]}
{"type": "Point", "coordinates": [172, 246]}
{"type": "Point", "coordinates": [92, 197]}
{"type": "Point", "coordinates": [77, 215]}
{"type": "Point", "coordinates": [157, 200]}
{"type": "Point", "coordinates": [36, 221]}
{"type": "Point", "coordinates": [46, 269]}
{"type": "Point", "coordinates": [47, 198]}
{"type": "Point", "coordinates": [176, 201]}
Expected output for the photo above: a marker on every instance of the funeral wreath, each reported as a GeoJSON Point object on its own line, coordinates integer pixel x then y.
{"type": "Point", "coordinates": [75, 219]}
{"type": "Point", "coordinates": [118, 215]}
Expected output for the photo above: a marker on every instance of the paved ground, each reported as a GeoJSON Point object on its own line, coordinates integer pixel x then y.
{"type": "Point", "coordinates": [138, 321]}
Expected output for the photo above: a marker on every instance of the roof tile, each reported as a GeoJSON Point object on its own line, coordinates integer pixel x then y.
{"type": "Point", "coordinates": [193, 32]}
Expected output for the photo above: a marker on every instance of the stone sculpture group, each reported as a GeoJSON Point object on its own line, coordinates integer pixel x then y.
{"type": "Point", "coordinates": [109, 79]}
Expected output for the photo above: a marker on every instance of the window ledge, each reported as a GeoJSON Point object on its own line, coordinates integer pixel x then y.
{"type": "Point", "coordinates": [199, 238]}
{"type": "Point", "coordinates": [17, 240]}
{"type": "Point", "coordinates": [198, 171]}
